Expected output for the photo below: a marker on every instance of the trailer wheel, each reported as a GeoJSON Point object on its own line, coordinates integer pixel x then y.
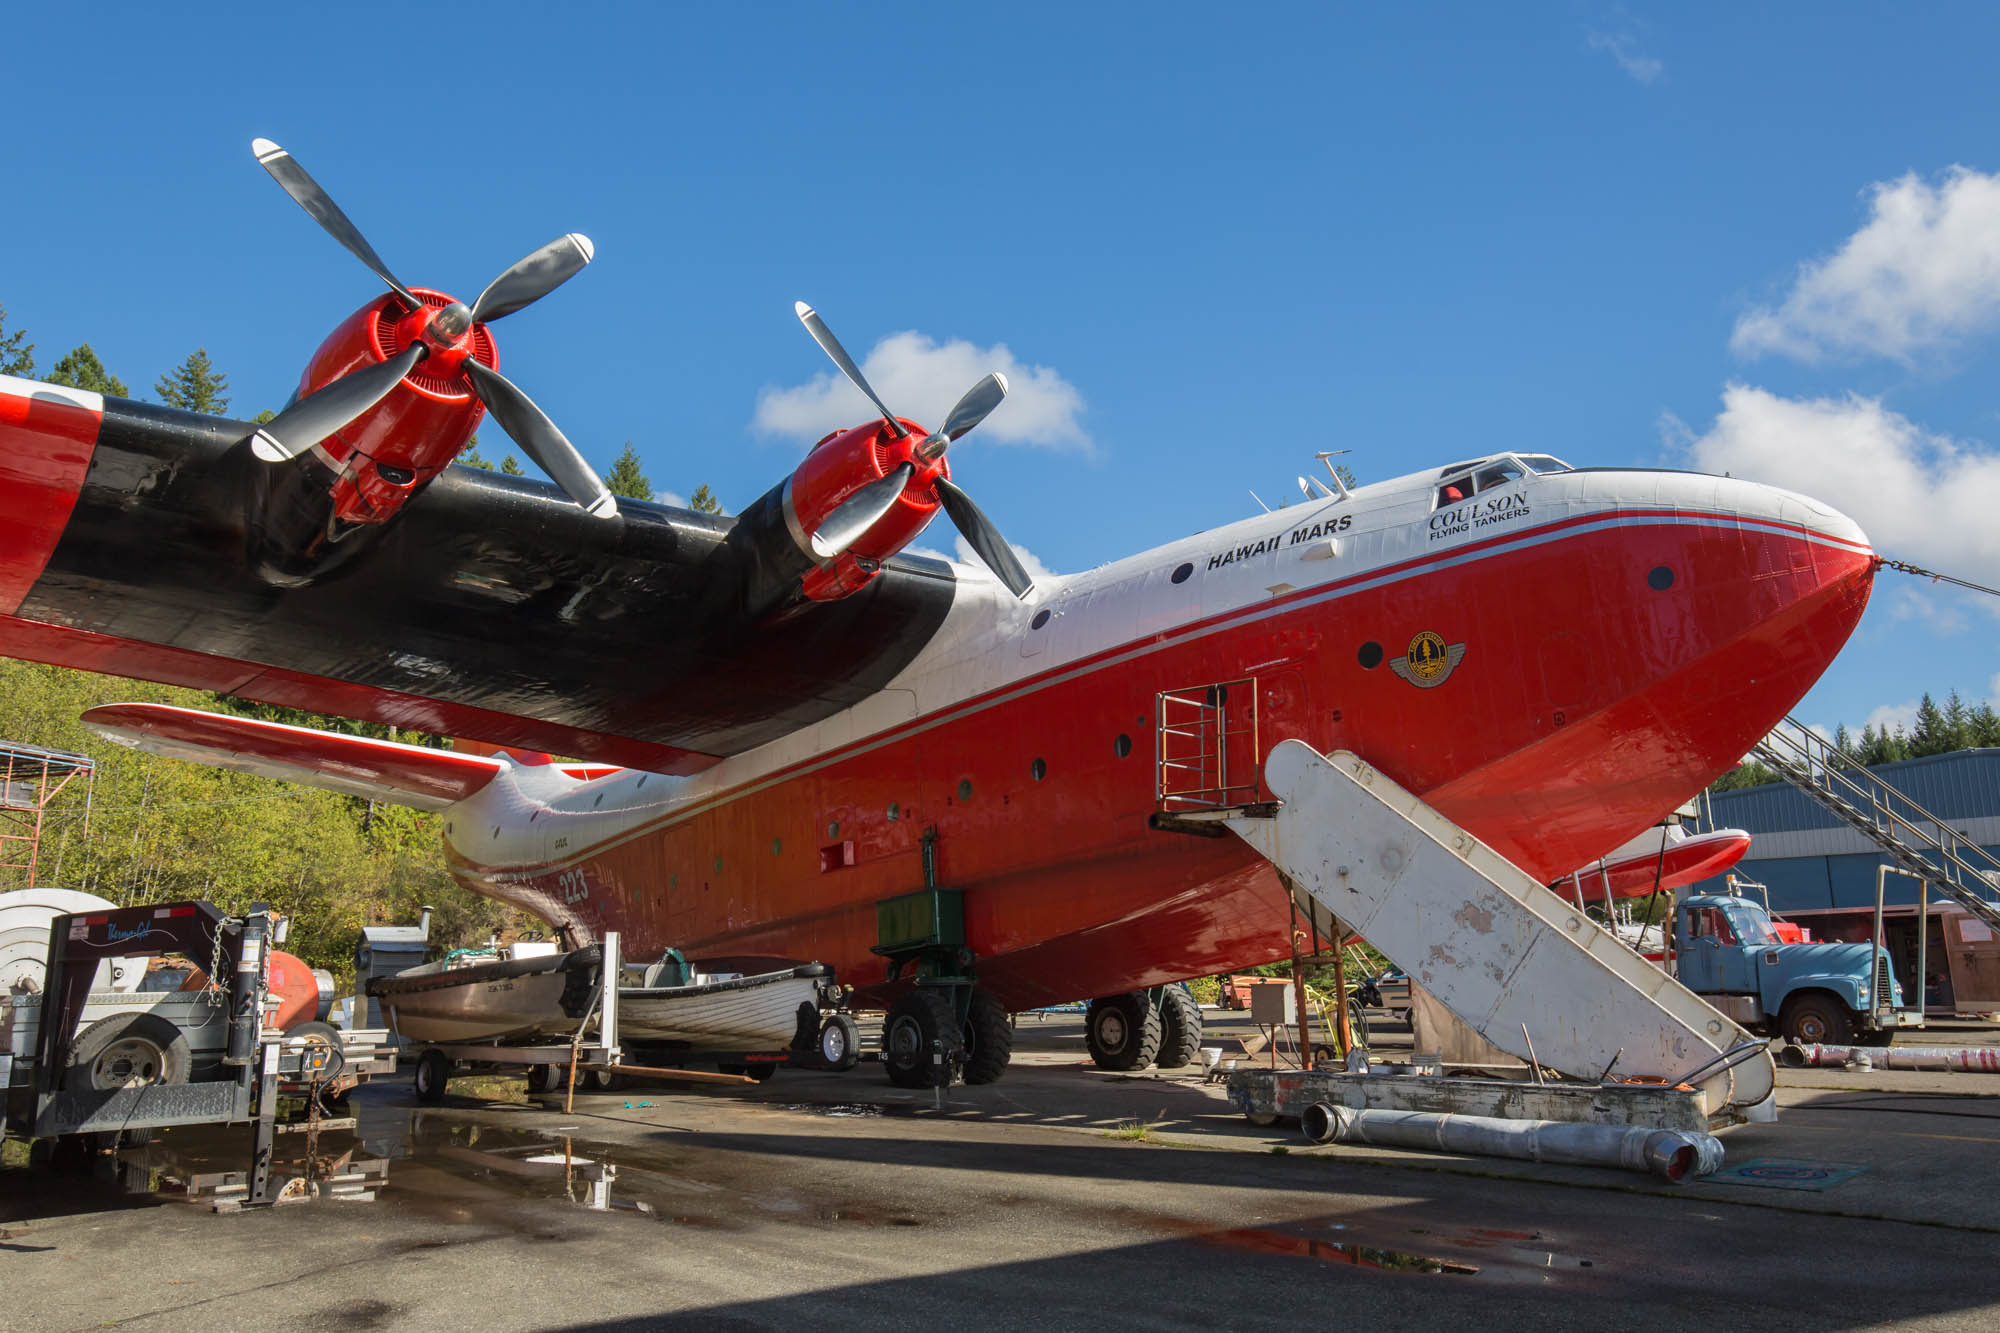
{"type": "Point", "coordinates": [1816, 1019]}
{"type": "Point", "coordinates": [1122, 1031]}
{"type": "Point", "coordinates": [920, 1025]}
{"type": "Point", "coordinates": [129, 1051]}
{"type": "Point", "coordinates": [315, 1033]}
{"type": "Point", "coordinates": [433, 1072]}
{"type": "Point", "coordinates": [839, 1043]}
{"type": "Point", "coordinates": [1180, 1028]}
{"type": "Point", "coordinates": [542, 1078]}
{"type": "Point", "coordinates": [989, 1038]}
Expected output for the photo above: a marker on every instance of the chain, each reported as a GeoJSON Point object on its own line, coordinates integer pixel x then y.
{"type": "Point", "coordinates": [1904, 567]}
{"type": "Point", "coordinates": [217, 994]}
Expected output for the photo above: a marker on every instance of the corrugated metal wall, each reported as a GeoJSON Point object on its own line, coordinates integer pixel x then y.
{"type": "Point", "coordinates": [1959, 786]}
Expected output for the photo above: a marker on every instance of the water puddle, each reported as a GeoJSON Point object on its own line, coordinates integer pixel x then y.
{"type": "Point", "coordinates": [1497, 1255]}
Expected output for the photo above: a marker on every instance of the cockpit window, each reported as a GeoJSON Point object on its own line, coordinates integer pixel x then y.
{"type": "Point", "coordinates": [1455, 467]}
{"type": "Point", "coordinates": [1464, 480]}
{"type": "Point", "coordinates": [1544, 463]}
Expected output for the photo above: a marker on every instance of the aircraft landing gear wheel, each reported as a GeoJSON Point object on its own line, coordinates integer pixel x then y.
{"type": "Point", "coordinates": [433, 1072]}
{"type": "Point", "coordinates": [1122, 1031]}
{"type": "Point", "coordinates": [989, 1039]}
{"type": "Point", "coordinates": [839, 1043]}
{"type": "Point", "coordinates": [1816, 1020]}
{"type": "Point", "coordinates": [921, 1040]}
{"type": "Point", "coordinates": [1180, 1028]}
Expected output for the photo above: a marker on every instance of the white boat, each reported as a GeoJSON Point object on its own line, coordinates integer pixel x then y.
{"type": "Point", "coordinates": [521, 991]}
{"type": "Point", "coordinates": [768, 1011]}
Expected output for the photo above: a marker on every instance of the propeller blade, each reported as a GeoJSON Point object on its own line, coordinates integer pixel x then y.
{"type": "Point", "coordinates": [309, 196]}
{"type": "Point", "coordinates": [860, 512]}
{"type": "Point", "coordinates": [979, 401]}
{"type": "Point", "coordinates": [984, 537]}
{"type": "Point", "coordinates": [313, 418]}
{"type": "Point", "coordinates": [538, 437]}
{"type": "Point", "coordinates": [831, 346]}
{"type": "Point", "coordinates": [530, 279]}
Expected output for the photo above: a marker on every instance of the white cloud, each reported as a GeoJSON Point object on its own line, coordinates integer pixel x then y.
{"type": "Point", "coordinates": [673, 498]}
{"type": "Point", "coordinates": [1623, 48]}
{"type": "Point", "coordinates": [1923, 272]}
{"type": "Point", "coordinates": [1890, 716]}
{"type": "Point", "coordinates": [1919, 497]}
{"type": "Point", "coordinates": [962, 552]}
{"type": "Point", "coordinates": [920, 378]}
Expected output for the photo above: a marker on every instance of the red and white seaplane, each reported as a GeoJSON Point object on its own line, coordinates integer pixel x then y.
{"type": "Point", "coordinates": [778, 721]}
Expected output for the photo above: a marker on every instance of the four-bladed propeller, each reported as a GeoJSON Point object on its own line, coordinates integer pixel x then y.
{"type": "Point", "coordinates": [313, 418]}
{"type": "Point", "coordinates": [859, 512]}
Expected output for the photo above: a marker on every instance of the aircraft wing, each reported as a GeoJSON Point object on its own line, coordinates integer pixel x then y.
{"type": "Point", "coordinates": [136, 540]}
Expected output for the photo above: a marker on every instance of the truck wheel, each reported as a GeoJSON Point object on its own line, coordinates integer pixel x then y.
{"type": "Point", "coordinates": [433, 1072]}
{"type": "Point", "coordinates": [128, 1051]}
{"type": "Point", "coordinates": [1180, 1028]}
{"type": "Point", "coordinates": [921, 1025]}
{"type": "Point", "coordinates": [1122, 1031]}
{"type": "Point", "coordinates": [1816, 1020]}
{"type": "Point", "coordinates": [989, 1039]}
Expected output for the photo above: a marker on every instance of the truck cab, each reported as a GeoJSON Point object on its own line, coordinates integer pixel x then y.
{"type": "Point", "coordinates": [1728, 951]}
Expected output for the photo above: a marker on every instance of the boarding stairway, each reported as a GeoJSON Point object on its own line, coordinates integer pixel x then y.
{"type": "Point", "coordinates": [1915, 839]}
{"type": "Point", "coordinates": [1531, 973]}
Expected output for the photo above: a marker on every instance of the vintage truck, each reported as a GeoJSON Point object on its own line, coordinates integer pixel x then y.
{"type": "Point", "coordinates": [1728, 951]}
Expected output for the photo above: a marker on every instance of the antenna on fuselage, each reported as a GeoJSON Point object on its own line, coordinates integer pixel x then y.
{"type": "Point", "coordinates": [1327, 456]}
{"type": "Point", "coordinates": [1260, 503]}
{"type": "Point", "coordinates": [1306, 489]}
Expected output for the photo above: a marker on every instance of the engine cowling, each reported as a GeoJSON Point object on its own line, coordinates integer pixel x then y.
{"type": "Point", "coordinates": [838, 466]}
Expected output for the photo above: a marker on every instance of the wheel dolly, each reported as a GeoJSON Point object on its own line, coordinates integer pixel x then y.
{"type": "Point", "coordinates": [56, 1100]}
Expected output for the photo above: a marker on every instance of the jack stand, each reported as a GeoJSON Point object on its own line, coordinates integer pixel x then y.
{"type": "Point", "coordinates": [264, 1142]}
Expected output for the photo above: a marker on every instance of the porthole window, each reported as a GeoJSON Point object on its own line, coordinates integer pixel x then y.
{"type": "Point", "coordinates": [833, 828]}
{"type": "Point", "coordinates": [895, 811]}
{"type": "Point", "coordinates": [1122, 746]}
{"type": "Point", "coordinates": [1181, 574]}
{"type": "Point", "coordinates": [718, 865]}
{"type": "Point", "coordinates": [1041, 619]}
{"type": "Point", "coordinates": [777, 846]}
{"type": "Point", "coordinates": [1038, 770]}
{"type": "Point", "coordinates": [1660, 579]}
{"type": "Point", "coordinates": [1371, 655]}
{"type": "Point", "coordinates": [965, 789]}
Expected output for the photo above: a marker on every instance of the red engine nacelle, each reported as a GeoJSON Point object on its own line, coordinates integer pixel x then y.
{"type": "Point", "coordinates": [841, 464]}
{"type": "Point", "coordinates": [394, 449]}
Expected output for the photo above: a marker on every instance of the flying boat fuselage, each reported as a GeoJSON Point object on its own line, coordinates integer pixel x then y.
{"type": "Point", "coordinates": [1552, 657]}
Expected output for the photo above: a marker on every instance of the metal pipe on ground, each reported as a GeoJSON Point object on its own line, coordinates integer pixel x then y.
{"type": "Point", "coordinates": [1964, 1059]}
{"type": "Point", "coordinates": [1671, 1154]}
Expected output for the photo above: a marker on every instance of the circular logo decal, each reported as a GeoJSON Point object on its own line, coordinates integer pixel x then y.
{"type": "Point", "coordinates": [1428, 657]}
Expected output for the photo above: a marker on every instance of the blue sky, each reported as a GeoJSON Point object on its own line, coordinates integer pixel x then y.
{"type": "Point", "coordinates": [1205, 241]}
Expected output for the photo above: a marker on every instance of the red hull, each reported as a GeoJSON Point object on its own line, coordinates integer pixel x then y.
{"type": "Point", "coordinates": [1579, 715]}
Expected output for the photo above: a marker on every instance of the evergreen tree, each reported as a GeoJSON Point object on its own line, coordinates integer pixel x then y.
{"type": "Point", "coordinates": [264, 417]}
{"type": "Point", "coordinates": [17, 356]}
{"type": "Point", "coordinates": [1928, 735]}
{"type": "Point", "coordinates": [510, 467]}
{"type": "Point", "coordinates": [626, 479]}
{"type": "Point", "coordinates": [704, 501]}
{"type": "Point", "coordinates": [1841, 740]}
{"type": "Point", "coordinates": [194, 385]}
{"type": "Point", "coordinates": [82, 370]}
{"type": "Point", "coordinates": [469, 455]}
{"type": "Point", "coordinates": [1957, 723]}
{"type": "Point", "coordinates": [1983, 725]}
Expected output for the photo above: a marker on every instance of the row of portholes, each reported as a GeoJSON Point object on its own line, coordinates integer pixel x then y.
{"type": "Point", "coordinates": [1659, 579]}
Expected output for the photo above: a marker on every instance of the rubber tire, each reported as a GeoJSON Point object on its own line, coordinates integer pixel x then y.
{"type": "Point", "coordinates": [1357, 1023]}
{"type": "Point", "coordinates": [840, 1035]}
{"type": "Point", "coordinates": [1122, 1031]}
{"type": "Point", "coordinates": [1816, 1019]}
{"type": "Point", "coordinates": [544, 1078]}
{"type": "Point", "coordinates": [1180, 1028]}
{"type": "Point", "coordinates": [327, 1035]}
{"type": "Point", "coordinates": [762, 1072]}
{"type": "Point", "coordinates": [916, 1021]}
{"type": "Point", "coordinates": [989, 1038]}
{"type": "Point", "coordinates": [433, 1072]}
{"type": "Point", "coordinates": [176, 1061]}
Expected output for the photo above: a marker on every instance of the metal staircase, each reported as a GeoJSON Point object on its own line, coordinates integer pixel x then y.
{"type": "Point", "coordinates": [1529, 972]}
{"type": "Point", "coordinates": [1917, 840]}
